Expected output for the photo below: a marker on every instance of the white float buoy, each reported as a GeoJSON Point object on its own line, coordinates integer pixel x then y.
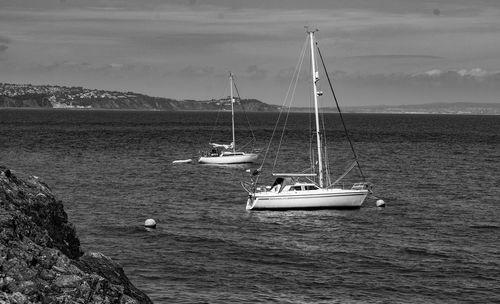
{"type": "Point", "coordinates": [150, 223]}
{"type": "Point", "coordinates": [380, 203]}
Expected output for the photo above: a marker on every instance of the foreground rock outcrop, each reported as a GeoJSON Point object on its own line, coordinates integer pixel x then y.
{"type": "Point", "coordinates": [40, 256]}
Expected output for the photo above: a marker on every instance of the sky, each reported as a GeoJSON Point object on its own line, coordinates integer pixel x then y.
{"type": "Point", "coordinates": [378, 52]}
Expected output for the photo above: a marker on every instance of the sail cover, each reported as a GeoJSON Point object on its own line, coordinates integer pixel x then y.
{"type": "Point", "coordinates": [230, 146]}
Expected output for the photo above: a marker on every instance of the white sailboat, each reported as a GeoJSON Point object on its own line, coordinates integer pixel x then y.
{"type": "Point", "coordinates": [222, 154]}
{"type": "Point", "coordinates": [307, 190]}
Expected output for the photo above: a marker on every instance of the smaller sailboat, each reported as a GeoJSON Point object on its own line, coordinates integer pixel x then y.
{"type": "Point", "coordinates": [310, 188]}
{"type": "Point", "coordinates": [223, 154]}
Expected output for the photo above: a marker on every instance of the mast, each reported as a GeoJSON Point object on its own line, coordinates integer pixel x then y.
{"type": "Point", "coordinates": [315, 78]}
{"type": "Point", "coordinates": [232, 109]}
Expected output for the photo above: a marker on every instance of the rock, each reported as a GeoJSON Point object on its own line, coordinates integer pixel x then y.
{"type": "Point", "coordinates": [110, 270]}
{"type": "Point", "coordinates": [128, 300]}
{"type": "Point", "coordinates": [68, 281]}
{"type": "Point", "coordinates": [40, 256]}
{"type": "Point", "coordinates": [28, 288]}
{"type": "Point", "coordinates": [18, 298]}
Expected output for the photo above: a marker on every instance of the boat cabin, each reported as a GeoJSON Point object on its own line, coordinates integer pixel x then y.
{"type": "Point", "coordinates": [216, 152]}
{"type": "Point", "coordinates": [227, 153]}
{"type": "Point", "coordinates": [287, 184]}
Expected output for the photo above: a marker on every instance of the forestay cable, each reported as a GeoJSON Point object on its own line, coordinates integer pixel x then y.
{"type": "Point", "coordinates": [340, 113]}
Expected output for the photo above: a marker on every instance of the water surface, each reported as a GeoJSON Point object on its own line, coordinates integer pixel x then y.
{"type": "Point", "coordinates": [436, 242]}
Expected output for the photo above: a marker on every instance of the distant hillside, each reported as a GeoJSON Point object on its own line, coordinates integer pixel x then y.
{"type": "Point", "coordinates": [45, 96]}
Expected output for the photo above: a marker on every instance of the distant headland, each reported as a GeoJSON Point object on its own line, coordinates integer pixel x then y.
{"type": "Point", "coordinates": [51, 96]}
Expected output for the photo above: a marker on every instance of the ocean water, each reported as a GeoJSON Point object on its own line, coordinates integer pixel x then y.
{"type": "Point", "coordinates": [437, 241]}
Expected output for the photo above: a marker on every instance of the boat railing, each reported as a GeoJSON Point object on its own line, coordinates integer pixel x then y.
{"type": "Point", "coordinates": [362, 186]}
{"type": "Point", "coordinates": [336, 186]}
{"type": "Point", "coordinates": [295, 174]}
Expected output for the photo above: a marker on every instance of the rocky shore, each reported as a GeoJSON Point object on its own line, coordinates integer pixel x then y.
{"type": "Point", "coordinates": [41, 260]}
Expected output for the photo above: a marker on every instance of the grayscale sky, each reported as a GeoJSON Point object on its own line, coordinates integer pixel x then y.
{"type": "Point", "coordinates": [378, 51]}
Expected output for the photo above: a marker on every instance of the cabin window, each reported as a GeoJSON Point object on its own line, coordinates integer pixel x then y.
{"type": "Point", "coordinates": [296, 188]}
{"type": "Point", "coordinates": [311, 187]}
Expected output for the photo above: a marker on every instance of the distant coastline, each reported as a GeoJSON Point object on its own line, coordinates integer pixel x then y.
{"type": "Point", "coordinates": [62, 97]}
{"type": "Point", "coordinates": [452, 108]}
{"type": "Point", "coordinates": [455, 108]}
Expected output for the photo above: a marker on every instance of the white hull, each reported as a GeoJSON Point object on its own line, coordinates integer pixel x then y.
{"type": "Point", "coordinates": [317, 199]}
{"type": "Point", "coordinates": [288, 191]}
{"type": "Point", "coordinates": [182, 161]}
{"type": "Point", "coordinates": [229, 159]}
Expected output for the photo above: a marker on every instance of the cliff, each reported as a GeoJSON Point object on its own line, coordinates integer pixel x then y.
{"type": "Point", "coordinates": [40, 256]}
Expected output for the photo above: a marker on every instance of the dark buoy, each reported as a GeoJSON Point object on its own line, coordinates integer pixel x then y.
{"type": "Point", "coordinates": [150, 223]}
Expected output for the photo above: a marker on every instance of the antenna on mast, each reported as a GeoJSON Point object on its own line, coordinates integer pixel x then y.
{"type": "Point", "coordinates": [308, 30]}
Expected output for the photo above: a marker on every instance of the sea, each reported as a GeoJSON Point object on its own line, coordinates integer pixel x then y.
{"type": "Point", "coordinates": [436, 241]}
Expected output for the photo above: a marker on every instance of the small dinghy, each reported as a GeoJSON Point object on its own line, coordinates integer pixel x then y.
{"type": "Point", "coordinates": [182, 161]}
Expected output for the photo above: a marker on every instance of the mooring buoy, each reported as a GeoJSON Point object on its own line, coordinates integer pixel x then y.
{"type": "Point", "coordinates": [150, 223]}
{"type": "Point", "coordinates": [380, 203]}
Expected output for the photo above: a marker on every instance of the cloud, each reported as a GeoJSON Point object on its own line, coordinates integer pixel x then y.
{"type": "Point", "coordinates": [3, 48]}
{"type": "Point", "coordinates": [85, 67]}
{"type": "Point", "coordinates": [256, 73]}
{"type": "Point", "coordinates": [284, 76]}
{"type": "Point", "coordinates": [191, 71]}
{"type": "Point", "coordinates": [463, 78]}
{"type": "Point", "coordinates": [433, 73]}
{"type": "Point", "coordinates": [477, 73]}
{"type": "Point", "coordinates": [5, 39]}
